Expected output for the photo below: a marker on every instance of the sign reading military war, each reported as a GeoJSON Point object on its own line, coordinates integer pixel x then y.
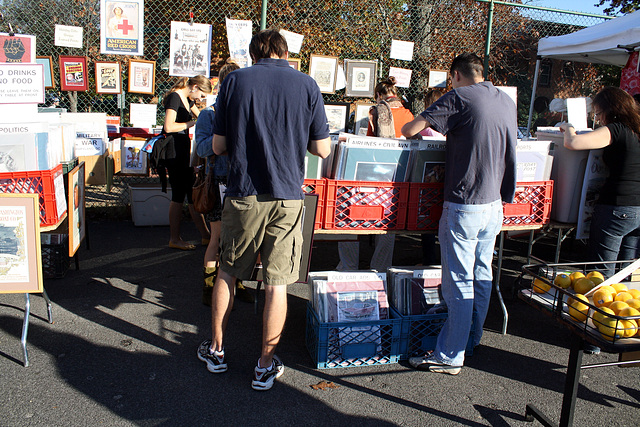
{"type": "Point", "coordinates": [18, 48]}
{"type": "Point", "coordinates": [121, 27]}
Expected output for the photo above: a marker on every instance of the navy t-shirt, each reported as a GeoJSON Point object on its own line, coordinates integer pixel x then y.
{"type": "Point", "coordinates": [268, 113]}
{"type": "Point", "coordinates": [480, 124]}
{"type": "Point", "coordinates": [622, 156]}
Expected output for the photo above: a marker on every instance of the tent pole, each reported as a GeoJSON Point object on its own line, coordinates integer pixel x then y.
{"type": "Point", "coordinates": [533, 95]}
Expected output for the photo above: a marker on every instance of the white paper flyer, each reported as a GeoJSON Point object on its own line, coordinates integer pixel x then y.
{"type": "Point", "coordinates": [189, 49]}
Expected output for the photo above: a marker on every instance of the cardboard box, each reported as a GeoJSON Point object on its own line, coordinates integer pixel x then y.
{"type": "Point", "coordinates": [96, 170]}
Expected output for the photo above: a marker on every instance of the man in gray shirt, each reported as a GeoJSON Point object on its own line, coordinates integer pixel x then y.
{"type": "Point", "coordinates": [480, 124]}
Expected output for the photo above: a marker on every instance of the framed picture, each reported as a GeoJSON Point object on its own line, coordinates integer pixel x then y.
{"type": "Point", "coordinates": [337, 116]}
{"type": "Point", "coordinates": [142, 76]}
{"type": "Point", "coordinates": [438, 78]}
{"type": "Point", "coordinates": [20, 258]}
{"type": "Point", "coordinates": [47, 61]}
{"type": "Point", "coordinates": [76, 207]}
{"type": "Point", "coordinates": [323, 69]}
{"type": "Point", "coordinates": [73, 73]}
{"type": "Point", "coordinates": [294, 63]}
{"type": "Point", "coordinates": [108, 77]}
{"type": "Point", "coordinates": [361, 77]}
{"type": "Point", "coordinates": [361, 122]}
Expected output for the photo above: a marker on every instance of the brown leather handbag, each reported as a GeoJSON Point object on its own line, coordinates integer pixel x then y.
{"type": "Point", "coordinates": [204, 192]}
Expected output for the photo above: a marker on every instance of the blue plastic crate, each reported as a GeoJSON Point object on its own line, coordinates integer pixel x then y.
{"type": "Point", "coordinates": [420, 332]}
{"type": "Point", "coordinates": [349, 344]}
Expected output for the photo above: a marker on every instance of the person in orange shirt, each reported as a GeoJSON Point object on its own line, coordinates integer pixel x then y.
{"type": "Point", "coordinates": [386, 119]}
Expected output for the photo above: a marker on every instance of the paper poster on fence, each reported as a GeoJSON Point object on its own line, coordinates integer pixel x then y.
{"type": "Point", "coordinates": [294, 40]}
{"type": "Point", "coordinates": [68, 36]}
{"type": "Point", "coordinates": [239, 37]}
{"type": "Point", "coordinates": [18, 48]}
{"type": "Point", "coordinates": [190, 49]}
{"type": "Point", "coordinates": [122, 27]}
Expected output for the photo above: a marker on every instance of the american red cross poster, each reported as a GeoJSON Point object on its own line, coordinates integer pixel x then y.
{"type": "Point", "coordinates": [122, 27]}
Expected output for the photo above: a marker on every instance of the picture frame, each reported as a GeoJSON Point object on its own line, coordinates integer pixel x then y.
{"type": "Point", "coordinates": [438, 78]}
{"type": "Point", "coordinates": [76, 209]}
{"type": "Point", "coordinates": [21, 256]}
{"type": "Point", "coordinates": [108, 77]}
{"type": "Point", "coordinates": [361, 78]}
{"type": "Point", "coordinates": [47, 61]}
{"type": "Point", "coordinates": [142, 76]}
{"type": "Point", "coordinates": [337, 116]}
{"type": "Point", "coordinates": [294, 63]}
{"type": "Point", "coordinates": [73, 73]}
{"type": "Point", "coordinates": [324, 69]}
{"type": "Point", "coordinates": [361, 120]}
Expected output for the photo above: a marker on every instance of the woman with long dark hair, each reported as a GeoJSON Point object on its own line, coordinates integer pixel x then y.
{"type": "Point", "coordinates": [179, 104]}
{"type": "Point", "coordinates": [615, 224]}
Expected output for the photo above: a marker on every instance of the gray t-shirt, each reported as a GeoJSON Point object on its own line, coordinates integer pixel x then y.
{"type": "Point", "coordinates": [480, 124]}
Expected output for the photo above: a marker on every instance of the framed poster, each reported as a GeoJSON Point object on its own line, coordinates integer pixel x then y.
{"type": "Point", "coordinates": [438, 78]}
{"type": "Point", "coordinates": [20, 260]}
{"type": "Point", "coordinates": [190, 49]}
{"type": "Point", "coordinates": [73, 73]}
{"type": "Point", "coordinates": [337, 116]}
{"type": "Point", "coordinates": [108, 77]}
{"type": "Point", "coordinates": [142, 76]}
{"type": "Point", "coordinates": [294, 63]}
{"type": "Point", "coordinates": [361, 122]}
{"type": "Point", "coordinates": [47, 61]}
{"type": "Point", "coordinates": [76, 208]}
{"type": "Point", "coordinates": [361, 78]}
{"type": "Point", "coordinates": [122, 27]}
{"type": "Point", "coordinates": [323, 69]}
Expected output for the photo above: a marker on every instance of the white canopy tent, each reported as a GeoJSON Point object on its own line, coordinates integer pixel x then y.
{"type": "Point", "coordinates": [610, 42]}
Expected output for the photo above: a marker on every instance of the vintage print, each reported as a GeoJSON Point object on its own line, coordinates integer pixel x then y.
{"type": "Point", "coordinates": [20, 262]}
{"type": "Point", "coordinates": [108, 77]}
{"type": "Point", "coordinates": [121, 29]}
{"type": "Point", "coordinates": [76, 208]}
{"type": "Point", "coordinates": [18, 48]}
{"type": "Point", "coordinates": [142, 75]}
{"type": "Point", "coordinates": [73, 73]}
{"type": "Point", "coordinates": [190, 49]}
{"type": "Point", "coordinates": [323, 70]}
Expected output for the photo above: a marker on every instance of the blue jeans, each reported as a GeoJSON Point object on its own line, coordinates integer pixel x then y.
{"type": "Point", "coordinates": [467, 235]}
{"type": "Point", "coordinates": [614, 234]}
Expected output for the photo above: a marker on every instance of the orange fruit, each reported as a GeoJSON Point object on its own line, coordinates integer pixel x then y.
{"type": "Point", "coordinates": [635, 293]}
{"type": "Point", "coordinates": [623, 296]}
{"type": "Point", "coordinates": [577, 309]}
{"type": "Point", "coordinates": [562, 280]}
{"type": "Point", "coordinates": [596, 277]}
{"type": "Point", "coordinates": [540, 286]}
{"type": "Point", "coordinates": [609, 289]}
{"type": "Point", "coordinates": [610, 328]}
{"type": "Point", "coordinates": [575, 276]}
{"type": "Point", "coordinates": [583, 285]}
{"type": "Point", "coordinates": [629, 328]}
{"type": "Point", "coordinates": [628, 312]}
{"type": "Point", "coordinates": [634, 303]}
{"type": "Point", "coordinates": [597, 316]}
{"type": "Point", "coordinates": [617, 306]}
{"type": "Point", "coordinates": [602, 298]}
{"type": "Point", "coordinates": [620, 287]}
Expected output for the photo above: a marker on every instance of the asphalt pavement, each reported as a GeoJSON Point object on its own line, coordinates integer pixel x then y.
{"type": "Point", "coordinates": [122, 352]}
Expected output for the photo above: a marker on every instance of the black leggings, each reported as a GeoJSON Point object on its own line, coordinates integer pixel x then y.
{"type": "Point", "coordinates": [181, 180]}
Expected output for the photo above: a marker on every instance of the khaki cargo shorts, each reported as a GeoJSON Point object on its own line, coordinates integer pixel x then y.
{"type": "Point", "coordinates": [262, 225]}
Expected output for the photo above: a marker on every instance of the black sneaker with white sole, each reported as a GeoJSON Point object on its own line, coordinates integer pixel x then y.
{"type": "Point", "coordinates": [215, 363]}
{"type": "Point", "coordinates": [263, 378]}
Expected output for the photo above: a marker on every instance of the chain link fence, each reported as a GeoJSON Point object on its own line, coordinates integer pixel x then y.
{"type": "Point", "coordinates": [349, 29]}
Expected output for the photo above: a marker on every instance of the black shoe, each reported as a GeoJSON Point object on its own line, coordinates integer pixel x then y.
{"type": "Point", "coordinates": [263, 378]}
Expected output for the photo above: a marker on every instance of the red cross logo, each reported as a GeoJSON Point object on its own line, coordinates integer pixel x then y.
{"type": "Point", "coordinates": [125, 27]}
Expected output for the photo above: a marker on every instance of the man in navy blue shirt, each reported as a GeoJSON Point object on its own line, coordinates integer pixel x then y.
{"type": "Point", "coordinates": [267, 117]}
{"type": "Point", "coordinates": [480, 123]}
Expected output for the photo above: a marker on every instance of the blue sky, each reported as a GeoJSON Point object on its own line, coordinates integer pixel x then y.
{"type": "Point", "coordinates": [575, 5]}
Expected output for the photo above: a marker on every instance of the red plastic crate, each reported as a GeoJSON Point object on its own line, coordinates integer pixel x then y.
{"type": "Point", "coordinates": [40, 182]}
{"type": "Point", "coordinates": [317, 186]}
{"type": "Point", "coordinates": [425, 206]}
{"type": "Point", "coordinates": [531, 204]}
{"type": "Point", "coordinates": [364, 205]}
